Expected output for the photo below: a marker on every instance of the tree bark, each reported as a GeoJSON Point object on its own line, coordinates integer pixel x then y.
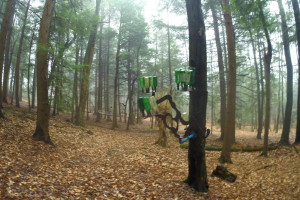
{"type": "Point", "coordinates": [19, 56]}
{"type": "Point", "coordinates": [197, 175]}
{"type": "Point", "coordinates": [106, 97]}
{"type": "Point", "coordinates": [9, 50]}
{"type": "Point", "coordinates": [43, 109]}
{"type": "Point", "coordinates": [229, 137]}
{"type": "Point", "coordinates": [284, 140]}
{"type": "Point", "coordinates": [100, 79]}
{"type": "Point", "coordinates": [262, 102]}
{"type": "Point", "coordinates": [88, 59]}
{"type": "Point", "coordinates": [267, 65]}
{"type": "Point", "coordinates": [10, 5]}
{"type": "Point", "coordinates": [115, 123]}
{"type": "Point", "coordinates": [33, 87]}
{"type": "Point", "coordinates": [75, 85]}
{"type": "Point", "coordinates": [297, 20]}
{"type": "Point", "coordinates": [29, 69]}
{"type": "Point", "coordinates": [259, 114]}
{"type": "Point", "coordinates": [169, 58]}
{"type": "Point", "coordinates": [221, 69]}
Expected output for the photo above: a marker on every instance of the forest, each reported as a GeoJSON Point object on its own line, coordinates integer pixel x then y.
{"type": "Point", "coordinates": [160, 99]}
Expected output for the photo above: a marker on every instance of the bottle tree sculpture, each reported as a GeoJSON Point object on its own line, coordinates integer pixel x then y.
{"type": "Point", "coordinates": [195, 80]}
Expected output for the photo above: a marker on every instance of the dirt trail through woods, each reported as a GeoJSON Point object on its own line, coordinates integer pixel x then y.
{"type": "Point", "coordinates": [98, 163]}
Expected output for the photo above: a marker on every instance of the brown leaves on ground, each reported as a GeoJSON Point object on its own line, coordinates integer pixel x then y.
{"type": "Point", "coordinates": [127, 165]}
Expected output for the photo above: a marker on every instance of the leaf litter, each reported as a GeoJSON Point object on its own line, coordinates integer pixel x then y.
{"type": "Point", "coordinates": [118, 164]}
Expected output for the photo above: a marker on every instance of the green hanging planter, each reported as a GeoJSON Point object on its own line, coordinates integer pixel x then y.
{"type": "Point", "coordinates": [179, 77]}
{"type": "Point", "coordinates": [141, 105]}
{"type": "Point", "coordinates": [142, 83]}
{"type": "Point", "coordinates": [147, 84]}
{"type": "Point", "coordinates": [147, 105]}
{"type": "Point", "coordinates": [153, 83]}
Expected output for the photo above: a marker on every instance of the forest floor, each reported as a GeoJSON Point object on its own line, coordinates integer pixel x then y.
{"type": "Point", "coordinates": [98, 163]}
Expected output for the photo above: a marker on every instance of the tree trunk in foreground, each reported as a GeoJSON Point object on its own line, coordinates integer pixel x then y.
{"type": "Point", "coordinates": [43, 109]}
{"type": "Point", "coordinates": [197, 175]}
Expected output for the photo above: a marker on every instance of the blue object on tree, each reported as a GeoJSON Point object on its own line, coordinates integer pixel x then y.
{"type": "Point", "coordinates": [193, 134]}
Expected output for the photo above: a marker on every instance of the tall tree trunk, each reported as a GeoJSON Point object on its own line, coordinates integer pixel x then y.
{"type": "Point", "coordinates": [8, 57]}
{"type": "Point", "coordinates": [118, 101]}
{"type": "Point", "coordinates": [10, 5]}
{"type": "Point", "coordinates": [262, 94]}
{"type": "Point", "coordinates": [56, 75]}
{"type": "Point", "coordinates": [130, 86]}
{"type": "Point", "coordinates": [19, 56]}
{"type": "Point", "coordinates": [169, 60]}
{"type": "Point", "coordinates": [259, 114]}
{"type": "Point", "coordinates": [279, 106]}
{"type": "Point", "coordinates": [21, 84]}
{"type": "Point", "coordinates": [96, 89]}
{"type": "Point", "coordinates": [197, 175]}
{"type": "Point", "coordinates": [297, 20]}
{"type": "Point", "coordinates": [289, 66]}
{"type": "Point", "coordinates": [229, 136]}
{"type": "Point", "coordinates": [138, 115]}
{"type": "Point", "coordinates": [221, 69]}
{"type": "Point", "coordinates": [100, 79]}
{"type": "Point", "coordinates": [131, 111]}
{"type": "Point", "coordinates": [29, 70]}
{"type": "Point", "coordinates": [267, 65]}
{"type": "Point", "coordinates": [115, 123]}
{"type": "Point", "coordinates": [88, 59]}
{"type": "Point", "coordinates": [56, 92]}
{"type": "Point", "coordinates": [107, 105]}
{"type": "Point", "coordinates": [43, 109]}
{"type": "Point", "coordinates": [75, 85]}
{"type": "Point", "coordinates": [33, 86]}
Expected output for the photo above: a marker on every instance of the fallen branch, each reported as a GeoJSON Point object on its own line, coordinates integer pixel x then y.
{"type": "Point", "coordinates": [264, 167]}
{"type": "Point", "coordinates": [209, 147]}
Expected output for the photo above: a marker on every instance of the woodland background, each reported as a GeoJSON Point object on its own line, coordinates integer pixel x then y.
{"type": "Point", "coordinates": [95, 53]}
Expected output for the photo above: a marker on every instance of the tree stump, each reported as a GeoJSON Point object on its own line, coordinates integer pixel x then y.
{"type": "Point", "coordinates": [223, 173]}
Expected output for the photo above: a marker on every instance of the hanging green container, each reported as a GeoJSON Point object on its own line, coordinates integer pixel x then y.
{"type": "Point", "coordinates": [179, 76]}
{"type": "Point", "coordinates": [147, 84]}
{"type": "Point", "coordinates": [154, 83]}
{"type": "Point", "coordinates": [142, 83]}
{"type": "Point", "coordinates": [151, 81]}
{"type": "Point", "coordinates": [187, 77]}
{"type": "Point", "coordinates": [147, 105]}
{"type": "Point", "coordinates": [141, 105]}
